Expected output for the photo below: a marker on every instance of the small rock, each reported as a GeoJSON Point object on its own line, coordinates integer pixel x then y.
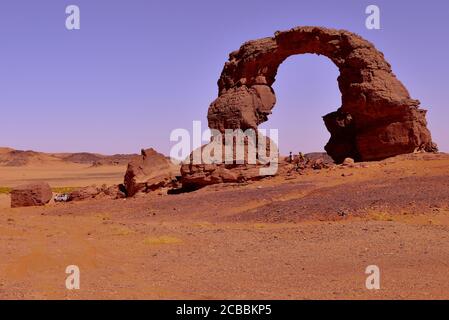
{"type": "Point", "coordinates": [342, 213]}
{"type": "Point", "coordinates": [319, 164]}
{"type": "Point", "coordinates": [348, 162]}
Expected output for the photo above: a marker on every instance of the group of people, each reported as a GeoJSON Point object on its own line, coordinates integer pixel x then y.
{"type": "Point", "coordinates": [300, 160]}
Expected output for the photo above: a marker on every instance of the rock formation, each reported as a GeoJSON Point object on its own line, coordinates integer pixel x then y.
{"type": "Point", "coordinates": [95, 192]}
{"type": "Point", "coordinates": [377, 118]}
{"type": "Point", "coordinates": [36, 194]}
{"type": "Point", "coordinates": [148, 172]}
{"type": "Point", "coordinates": [198, 176]}
{"type": "Point", "coordinates": [248, 158]}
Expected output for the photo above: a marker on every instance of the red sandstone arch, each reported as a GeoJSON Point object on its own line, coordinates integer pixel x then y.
{"type": "Point", "coordinates": [377, 118]}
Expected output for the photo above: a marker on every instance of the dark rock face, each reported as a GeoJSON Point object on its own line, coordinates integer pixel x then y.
{"type": "Point", "coordinates": [149, 172]}
{"type": "Point", "coordinates": [29, 195]}
{"type": "Point", "coordinates": [377, 118]}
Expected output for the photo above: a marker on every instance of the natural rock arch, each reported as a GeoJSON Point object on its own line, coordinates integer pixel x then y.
{"type": "Point", "coordinates": [377, 118]}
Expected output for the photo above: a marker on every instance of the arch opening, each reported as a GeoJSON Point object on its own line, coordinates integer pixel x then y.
{"type": "Point", "coordinates": [306, 89]}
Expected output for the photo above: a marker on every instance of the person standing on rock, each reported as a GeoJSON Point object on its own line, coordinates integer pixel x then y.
{"type": "Point", "coordinates": [290, 157]}
{"type": "Point", "coordinates": [301, 162]}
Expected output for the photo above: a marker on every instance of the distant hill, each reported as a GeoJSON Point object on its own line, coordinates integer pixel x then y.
{"type": "Point", "coordinates": [82, 157]}
{"type": "Point", "coordinates": [5, 150]}
{"type": "Point", "coordinates": [18, 158]}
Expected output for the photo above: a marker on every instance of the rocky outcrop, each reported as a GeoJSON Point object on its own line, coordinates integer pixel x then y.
{"type": "Point", "coordinates": [96, 192]}
{"type": "Point", "coordinates": [198, 176]}
{"type": "Point", "coordinates": [36, 194]}
{"type": "Point", "coordinates": [148, 172]}
{"type": "Point", "coordinates": [208, 165]}
{"type": "Point", "coordinates": [377, 118]}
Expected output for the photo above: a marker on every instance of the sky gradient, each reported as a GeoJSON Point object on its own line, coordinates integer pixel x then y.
{"type": "Point", "coordinates": [138, 69]}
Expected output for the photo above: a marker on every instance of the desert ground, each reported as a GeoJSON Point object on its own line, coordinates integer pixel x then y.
{"type": "Point", "coordinates": [307, 236]}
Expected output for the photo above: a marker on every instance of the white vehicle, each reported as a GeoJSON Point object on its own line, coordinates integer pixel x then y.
{"type": "Point", "coordinates": [64, 197]}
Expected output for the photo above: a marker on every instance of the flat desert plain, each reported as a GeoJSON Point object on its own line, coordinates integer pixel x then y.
{"type": "Point", "coordinates": [307, 236]}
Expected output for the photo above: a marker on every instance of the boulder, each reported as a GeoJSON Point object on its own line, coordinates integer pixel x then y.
{"type": "Point", "coordinates": [35, 194]}
{"type": "Point", "coordinates": [150, 171]}
{"type": "Point", "coordinates": [198, 176]}
{"type": "Point", "coordinates": [199, 170]}
{"type": "Point", "coordinates": [115, 192]}
{"type": "Point", "coordinates": [95, 192]}
{"type": "Point", "coordinates": [348, 162]}
{"type": "Point", "coordinates": [85, 193]}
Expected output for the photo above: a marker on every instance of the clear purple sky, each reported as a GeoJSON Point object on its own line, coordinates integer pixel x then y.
{"type": "Point", "coordinates": [138, 69]}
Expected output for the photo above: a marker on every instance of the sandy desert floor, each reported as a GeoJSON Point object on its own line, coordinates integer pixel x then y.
{"type": "Point", "coordinates": [62, 175]}
{"type": "Point", "coordinates": [305, 236]}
